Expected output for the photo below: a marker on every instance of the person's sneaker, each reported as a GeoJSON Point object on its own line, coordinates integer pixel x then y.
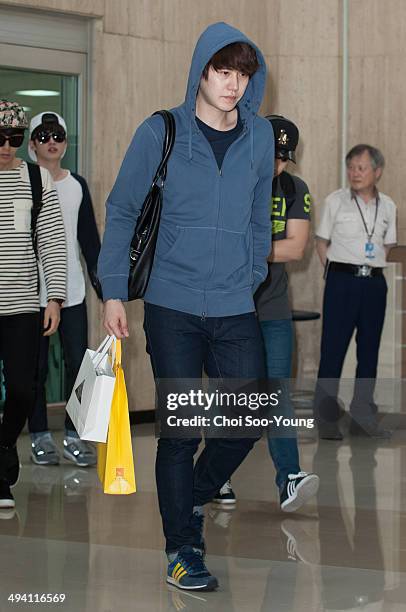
{"type": "Point", "coordinates": [43, 449]}
{"type": "Point", "coordinates": [188, 571]}
{"type": "Point", "coordinates": [297, 490]}
{"type": "Point", "coordinates": [226, 495]}
{"type": "Point", "coordinates": [9, 459]}
{"type": "Point", "coordinates": [79, 451]}
{"type": "Point", "coordinates": [6, 497]}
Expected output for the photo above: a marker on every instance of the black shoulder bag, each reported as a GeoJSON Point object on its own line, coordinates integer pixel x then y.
{"type": "Point", "coordinates": [34, 173]}
{"type": "Point", "coordinates": [143, 243]}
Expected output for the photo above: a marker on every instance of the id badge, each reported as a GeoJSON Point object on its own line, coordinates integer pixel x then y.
{"type": "Point", "coordinates": [369, 250]}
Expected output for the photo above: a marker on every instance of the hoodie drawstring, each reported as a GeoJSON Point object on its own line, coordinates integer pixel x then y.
{"type": "Point", "coordinates": [252, 145]}
{"type": "Point", "coordinates": [190, 140]}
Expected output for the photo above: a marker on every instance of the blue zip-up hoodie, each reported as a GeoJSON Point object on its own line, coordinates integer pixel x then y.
{"type": "Point", "coordinates": [214, 235]}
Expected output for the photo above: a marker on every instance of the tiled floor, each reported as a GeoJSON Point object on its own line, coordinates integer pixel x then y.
{"type": "Point", "coordinates": [345, 551]}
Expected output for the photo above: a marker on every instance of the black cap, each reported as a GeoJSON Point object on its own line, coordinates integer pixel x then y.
{"type": "Point", "coordinates": [286, 136]}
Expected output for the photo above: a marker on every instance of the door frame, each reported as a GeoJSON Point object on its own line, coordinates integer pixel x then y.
{"type": "Point", "coordinates": [72, 63]}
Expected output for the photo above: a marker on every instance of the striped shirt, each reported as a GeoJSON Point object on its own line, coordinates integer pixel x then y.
{"type": "Point", "coordinates": [18, 266]}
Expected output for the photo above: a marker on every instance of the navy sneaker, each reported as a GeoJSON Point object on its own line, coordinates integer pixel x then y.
{"type": "Point", "coordinates": [226, 496]}
{"type": "Point", "coordinates": [297, 490]}
{"type": "Point", "coordinates": [188, 571]}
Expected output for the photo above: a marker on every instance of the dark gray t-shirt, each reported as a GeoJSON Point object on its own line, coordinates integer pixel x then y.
{"type": "Point", "coordinates": [290, 200]}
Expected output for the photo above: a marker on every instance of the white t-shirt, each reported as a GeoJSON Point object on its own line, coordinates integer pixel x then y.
{"type": "Point", "coordinates": [70, 196]}
{"type": "Point", "coordinates": [341, 224]}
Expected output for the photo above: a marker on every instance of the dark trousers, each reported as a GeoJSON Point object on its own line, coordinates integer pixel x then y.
{"type": "Point", "coordinates": [73, 334]}
{"type": "Point", "coordinates": [350, 303]}
{"type": "Point", "coordinates": [180, 346]}
{"type": "Point", "coordinates": [19, 340]}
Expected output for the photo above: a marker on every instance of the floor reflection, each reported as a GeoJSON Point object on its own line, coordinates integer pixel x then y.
{"type": "Point", "coordinates": [344, 551]}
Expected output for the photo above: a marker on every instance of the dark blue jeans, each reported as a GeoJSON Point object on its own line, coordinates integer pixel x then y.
{"type": "Point", "coordinates": [181, 346]}
{"type": "Point", "coordinates": [278, 340]}
{"type": "Point", "coordinates": [73, 334]}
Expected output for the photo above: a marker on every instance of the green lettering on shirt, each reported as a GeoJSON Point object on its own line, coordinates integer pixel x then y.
{"type": "Point", "coordinates": [278, 207]}
{"type": "Point", "coordinates": [278, 226]}
{"type": "Point", "coordinates": [307, 203]}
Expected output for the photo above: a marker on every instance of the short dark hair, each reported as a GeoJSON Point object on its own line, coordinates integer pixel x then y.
{"type": "Point", "coordinates": [377, 159]}
{"type": "Point", "coordinates": [237, 56]}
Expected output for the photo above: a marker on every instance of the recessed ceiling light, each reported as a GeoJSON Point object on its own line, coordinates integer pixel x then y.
{"type": "Point", "coordinates": [37, 92]}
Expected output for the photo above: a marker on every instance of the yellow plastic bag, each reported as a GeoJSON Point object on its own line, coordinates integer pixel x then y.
{"type": "Point", "coordinates": [115, 464]}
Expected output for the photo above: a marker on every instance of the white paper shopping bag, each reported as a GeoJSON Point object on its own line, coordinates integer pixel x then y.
{"type": "Point", "coordinates": [90, 402]}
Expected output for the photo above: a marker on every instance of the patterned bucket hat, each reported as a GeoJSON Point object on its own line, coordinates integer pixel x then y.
{"type": "Point", "coordinates": [12, 115]}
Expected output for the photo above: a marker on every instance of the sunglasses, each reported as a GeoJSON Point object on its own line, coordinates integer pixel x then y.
{"type": "Point", "coordinates": [44, 136]}
{"type": "Point", "coordinates": [15, 140]}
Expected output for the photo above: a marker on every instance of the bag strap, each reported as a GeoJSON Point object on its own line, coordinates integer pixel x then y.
{"type": "Point", "coordinates": [169, 141]}
{"type": "Point", "coordinates": [34, 173]}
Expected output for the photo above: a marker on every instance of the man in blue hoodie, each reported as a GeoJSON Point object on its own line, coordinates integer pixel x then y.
{"type": "Point", "coordinates": [213, 243]}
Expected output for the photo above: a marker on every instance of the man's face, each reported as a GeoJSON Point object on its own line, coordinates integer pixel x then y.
{"type": "Point", "coordinates": [224, 88]}
{"type": "Point", "coordinates": [10, 140]}
{"type": "Point", "coordinates": [361, 174]}
{"type": "Point", "coordinates": [280, 165]}
{"type": "Point", "coordinates": [46, 147]}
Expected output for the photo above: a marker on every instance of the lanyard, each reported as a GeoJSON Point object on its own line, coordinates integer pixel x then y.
{"type": "Point", "coordinates": [369, 234]}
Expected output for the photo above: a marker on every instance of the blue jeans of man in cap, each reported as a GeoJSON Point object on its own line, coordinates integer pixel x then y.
{"type": "Point", "coordinates": [278, 340]}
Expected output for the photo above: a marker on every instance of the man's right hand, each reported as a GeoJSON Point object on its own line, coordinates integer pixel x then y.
{"type": "Point", "coordinates": [115, 319]}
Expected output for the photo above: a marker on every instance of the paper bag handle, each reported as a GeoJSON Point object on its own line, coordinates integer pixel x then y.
{"type": "Point", "coordinates": [102, 351]}
{"type": "Point", "coordinates": [106, 341]}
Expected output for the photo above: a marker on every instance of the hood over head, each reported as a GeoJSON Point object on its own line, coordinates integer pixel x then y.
{"type": "Point", "coordinates": [214, 38]}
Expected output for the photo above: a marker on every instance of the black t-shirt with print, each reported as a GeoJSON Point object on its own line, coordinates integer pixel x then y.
{"type": "Point", "coordinates": [290, 200]}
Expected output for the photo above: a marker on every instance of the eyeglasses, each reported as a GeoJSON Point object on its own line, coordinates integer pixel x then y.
{"type": "Point", "coordinates": [44, 136]}
{"type": "Point", "coordinates": [15, 140]}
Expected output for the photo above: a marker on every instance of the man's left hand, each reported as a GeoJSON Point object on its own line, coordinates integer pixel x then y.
{"type": "Point", "coordinates": [52, 316]}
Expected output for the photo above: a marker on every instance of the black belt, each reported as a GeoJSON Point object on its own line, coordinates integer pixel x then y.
{"type": "Point", "coordinates": [360, 271]}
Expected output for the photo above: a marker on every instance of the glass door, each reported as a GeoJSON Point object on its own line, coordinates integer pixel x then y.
{"type": "Point", "coordinates": [46, 80]}
{"type": "Point", "coordinates": [45, 91]}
